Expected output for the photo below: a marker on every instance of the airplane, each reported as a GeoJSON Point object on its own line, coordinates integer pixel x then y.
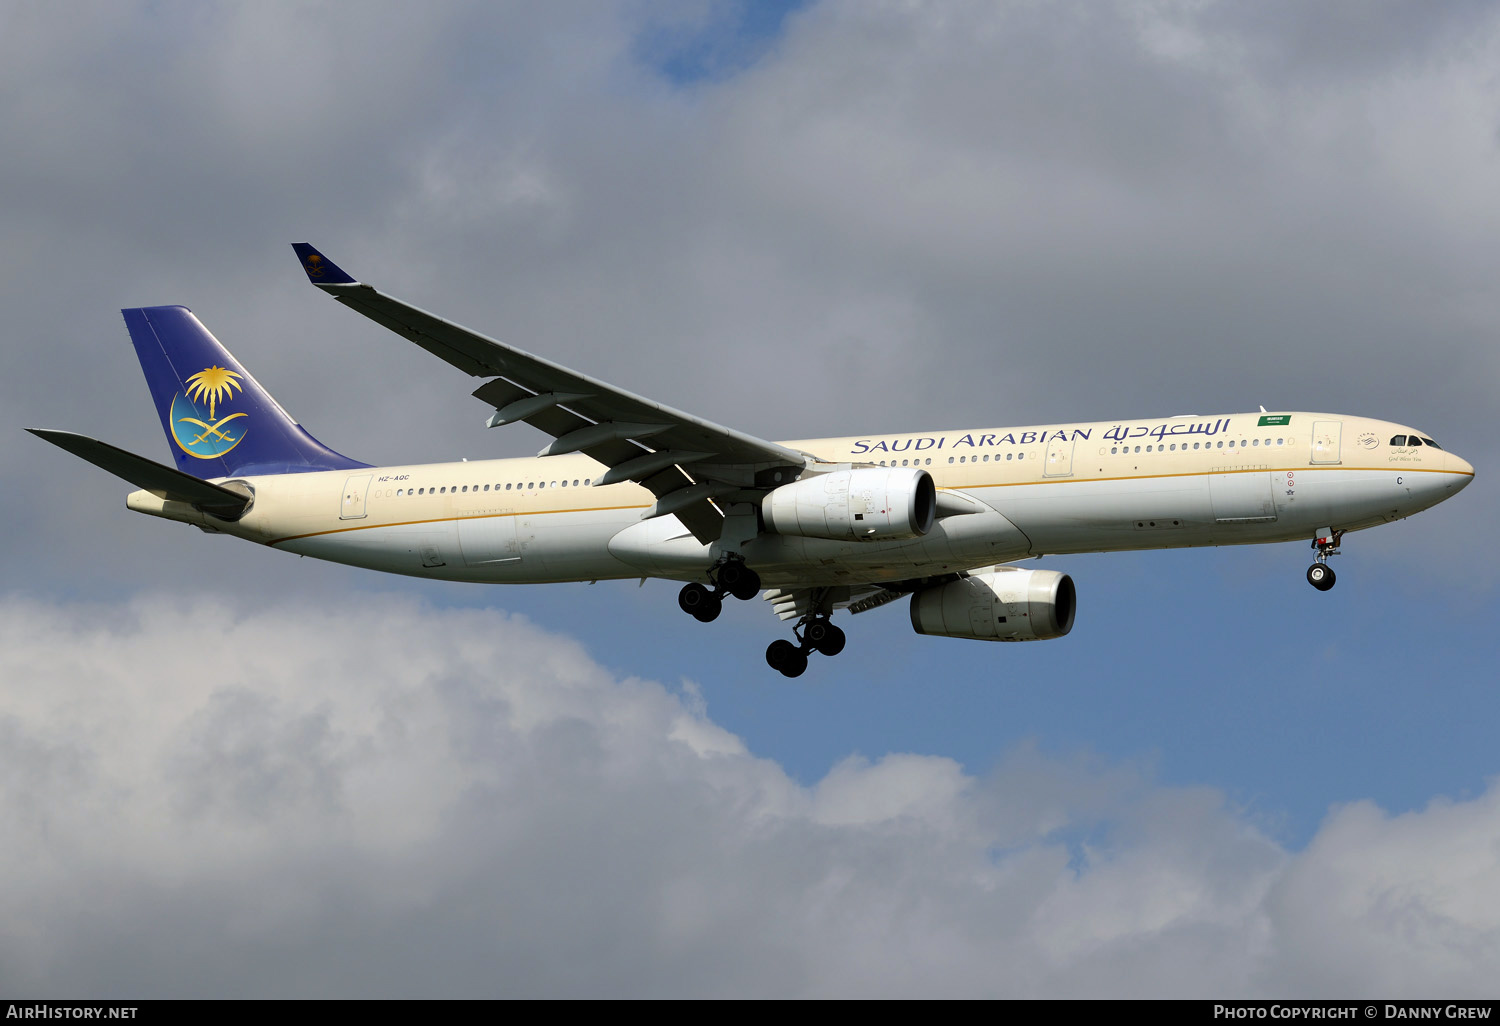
{"type": "Point", "coordinates": [630, 488]}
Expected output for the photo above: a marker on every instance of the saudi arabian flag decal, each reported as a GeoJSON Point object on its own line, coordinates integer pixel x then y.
{"type": "Point", "coordinates": [1275, 420]}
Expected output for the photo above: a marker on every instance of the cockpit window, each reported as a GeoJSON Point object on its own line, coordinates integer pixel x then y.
{"type": "Point", "coordinates": [1399, 441]}
{"type": "Point", "coordinates": [1428, 441]}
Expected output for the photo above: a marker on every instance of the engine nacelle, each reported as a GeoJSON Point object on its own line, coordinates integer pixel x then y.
{"type": "Point", "coordinates": [998, 605]}
{"type": "Point", "coordinates": [859, 504]}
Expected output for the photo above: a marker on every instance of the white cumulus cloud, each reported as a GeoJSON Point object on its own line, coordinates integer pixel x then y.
{"type": "Point", "coordinates": [199, 798]}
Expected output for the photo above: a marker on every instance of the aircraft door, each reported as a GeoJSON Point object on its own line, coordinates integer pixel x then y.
{"type": "Point", "coordinates": [487, 541]}
{"type": "Point", "coordinates": [1242, 498]}
{"type": "Point", "coordinates": [1325, 441]}
{"type": "Point", "coordinates": [1059, 458]}
{"type": "Point", "coordinates": [353, 506]}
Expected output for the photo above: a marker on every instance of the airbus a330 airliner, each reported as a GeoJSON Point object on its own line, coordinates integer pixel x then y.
{"type": "Point", "coordinates": [631, 488]}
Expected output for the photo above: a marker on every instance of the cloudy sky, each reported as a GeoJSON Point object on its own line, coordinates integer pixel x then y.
{"type": "Point", "coordinates": [226, 771]}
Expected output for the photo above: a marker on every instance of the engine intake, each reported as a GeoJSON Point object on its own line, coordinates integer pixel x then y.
{"type": "Point", "coordinates": [860, 504]}
{"type": "Point", "coordinates": [998, 605]}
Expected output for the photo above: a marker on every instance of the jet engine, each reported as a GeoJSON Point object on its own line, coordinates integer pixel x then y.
{"type": "Point", "coordinates": [1002, 604]}
{"type": "Point", "coordinates": [860, 504]}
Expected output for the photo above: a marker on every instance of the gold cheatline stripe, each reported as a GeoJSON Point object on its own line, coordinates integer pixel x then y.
{"type": "Point", "coordinates": [446, 520]}
{"type": "Point", "coordinates": [946, 488]}
{"type": "Point", "coordinates": [1203, 473]}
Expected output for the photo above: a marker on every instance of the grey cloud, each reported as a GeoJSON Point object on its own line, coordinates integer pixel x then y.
{"type": "Point", "coordinates": [1060, 212]}
{"type": "Point", "coordinates": [297, 801]}
{"type": "Point", "coordinates": [900, 215]}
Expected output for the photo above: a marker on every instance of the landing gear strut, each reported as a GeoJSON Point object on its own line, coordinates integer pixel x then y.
{"type": "Point", "coordinates": [815, 633]}
{"type": "Point", "coordinates": [1320, 575]}
{"type": "Point", "coordinates": [731, 576]}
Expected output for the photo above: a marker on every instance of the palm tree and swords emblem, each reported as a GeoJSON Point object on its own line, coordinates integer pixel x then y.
{"type": "Point", "coordinates": [216, 384]}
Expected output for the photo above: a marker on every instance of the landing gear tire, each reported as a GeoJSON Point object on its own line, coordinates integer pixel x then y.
{"type": "Point", "coordinates": [1321, 576]}
{"type": "Point", "coordinates": [699, 603]}
{"type": "Point", "coordinates": [739, 580]}
{"type": "Point", "coordinates": [786, 658]}
{"type": "Point", "coordinates": [825, 637]}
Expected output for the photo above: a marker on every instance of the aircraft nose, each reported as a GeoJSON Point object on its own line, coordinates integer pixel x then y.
{"type": "Point", "coordinates": [1462, 471]}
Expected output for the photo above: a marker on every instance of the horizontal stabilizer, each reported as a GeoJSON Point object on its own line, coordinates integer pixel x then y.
{"type": "Point", "coordinates": [161, 481]}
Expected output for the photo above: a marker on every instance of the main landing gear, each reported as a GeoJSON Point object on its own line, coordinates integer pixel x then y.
{"type": "Point", "coordinates": [1320, 575]}
{"type": "Point", "coordinates": [731, 576]}
{"type": "Point", "coordinates": [815, 633]}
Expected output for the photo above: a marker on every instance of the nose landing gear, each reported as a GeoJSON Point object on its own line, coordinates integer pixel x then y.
{"type": "Point", "coordinates": [1320, 575]}
{"type": "Point", "coordinates": [731, 576]}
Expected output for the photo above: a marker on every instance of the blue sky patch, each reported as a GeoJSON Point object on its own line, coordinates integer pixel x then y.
{"type": "Point", "coordinates": [725, 39]}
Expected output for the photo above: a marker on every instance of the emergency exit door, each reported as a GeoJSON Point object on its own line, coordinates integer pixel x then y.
{"type": "Point", "coordinates": [1325, 441]}
{"type": "Point", "coordinates": [353, 507]}
{"type": "Point", "coordinates": [1059, 458]}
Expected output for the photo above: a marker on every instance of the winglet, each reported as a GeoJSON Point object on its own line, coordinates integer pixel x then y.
{"type": "Point", "coordinates": [320, 270]}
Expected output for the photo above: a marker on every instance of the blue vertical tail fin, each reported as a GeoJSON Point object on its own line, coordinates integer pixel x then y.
{"type": "Point", "coordinates": [219, 421]}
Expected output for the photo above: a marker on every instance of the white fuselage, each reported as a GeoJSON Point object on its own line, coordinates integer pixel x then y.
{"type": "Point", "coordinates": [1190, 481]}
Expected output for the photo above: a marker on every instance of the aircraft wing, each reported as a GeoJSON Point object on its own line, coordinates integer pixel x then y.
{"type": "Point", "coordinates": [684, 460]}
{"type": "Point", "coordinates": [796, 601]}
